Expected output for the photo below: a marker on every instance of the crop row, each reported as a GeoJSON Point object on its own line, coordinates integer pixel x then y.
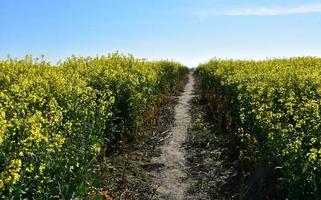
{"type": "Point", "coordinates": [55, 121]}
{"type": "Point", "coordinates": [271, 111]}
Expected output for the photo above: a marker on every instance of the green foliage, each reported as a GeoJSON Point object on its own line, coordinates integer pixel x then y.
{"type": "Point", "coordinates": [276, 107]}
{"type": "Point", "coordinates": [55, 121]}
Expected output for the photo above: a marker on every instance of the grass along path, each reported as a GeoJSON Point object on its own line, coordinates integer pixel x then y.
{"type": "Point", "coordinates": [212, 173]}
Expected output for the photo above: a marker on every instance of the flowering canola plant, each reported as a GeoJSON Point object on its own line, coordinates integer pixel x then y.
{"type": "Point", "coordinates": [275, 110]}
{"type": "Point", "coordinates": [55, 121]}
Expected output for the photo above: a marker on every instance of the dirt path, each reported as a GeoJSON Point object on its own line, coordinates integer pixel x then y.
{"type": "Point", "coordinates": [180, 157]}
{"type": "Point", "coordinates": [172, 184]}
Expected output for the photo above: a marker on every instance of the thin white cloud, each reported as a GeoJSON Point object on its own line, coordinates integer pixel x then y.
{"type": "Point", "coordinates": [264, 11]}
{"type": "Point", "coordinates": [315, 8]}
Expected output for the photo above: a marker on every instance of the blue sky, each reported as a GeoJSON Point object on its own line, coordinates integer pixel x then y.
{"type": "Point", "coordinates": [188, 31]}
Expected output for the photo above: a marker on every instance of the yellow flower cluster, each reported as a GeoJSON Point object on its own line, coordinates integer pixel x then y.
{"type": "Point", "coordinates": [314, 154]}
{"type": "Point", "coordinates": [278, 103]}
{"type": "Point", "coordinates": [12, 173]}
{"type": "Point", "coordinates": [3, 125]}
{"type": "Point", "coordinates": [55, 120]}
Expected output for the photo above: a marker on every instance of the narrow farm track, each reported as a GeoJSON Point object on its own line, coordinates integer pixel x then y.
{"type": "Point", "coordinates": [173, 183]}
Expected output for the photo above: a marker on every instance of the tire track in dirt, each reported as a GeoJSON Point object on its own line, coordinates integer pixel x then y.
{"type": "Point", "coordinates": [172, 179]}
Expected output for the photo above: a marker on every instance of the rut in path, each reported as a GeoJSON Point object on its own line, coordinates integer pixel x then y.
{"type": "Point", "coordinates": [172, 184]}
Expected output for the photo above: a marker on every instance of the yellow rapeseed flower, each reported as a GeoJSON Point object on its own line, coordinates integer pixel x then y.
{"type": "Point", "coordinates": [1, 184]}
{"type": "Point", "coordinates": [42, 167]}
